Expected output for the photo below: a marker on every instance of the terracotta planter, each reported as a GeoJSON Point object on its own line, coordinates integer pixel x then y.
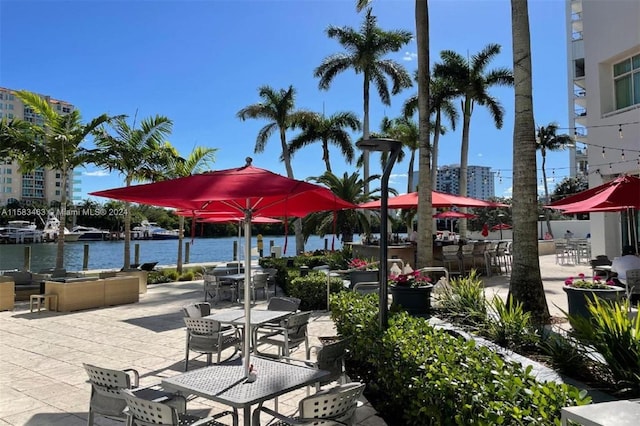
{"type": "Point", "coordinates": [416, 301]}
{"type": "Point", "coordinates": [578, 298]}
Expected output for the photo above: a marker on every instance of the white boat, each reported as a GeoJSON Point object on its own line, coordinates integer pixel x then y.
{"type": "Point", "coordinates": [52, 227]}
{"type": "Point", "coordinates": [88, 233]}
{"type": "Point", "coordinates": [21, 231]}
{"type": "Point", "coordinates": [151, 231]}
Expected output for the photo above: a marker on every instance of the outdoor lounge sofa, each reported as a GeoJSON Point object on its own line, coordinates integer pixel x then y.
{"type": "Point", "coordinates": [78, 294]}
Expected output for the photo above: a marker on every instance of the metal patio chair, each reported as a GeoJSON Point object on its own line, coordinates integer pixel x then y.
{"type": "Point", "coordinates": [291, 333]}
{"type": "Point", "coordinates": [335, 406]}
{"type": "Point", "coordinates": [108, 400]}
{"type": "Point", "coordinates": [141, 412]}
{"type": "Point", "coordinates": [207, 336]}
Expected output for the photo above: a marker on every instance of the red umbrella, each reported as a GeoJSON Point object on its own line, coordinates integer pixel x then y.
{"type": "Point", "coordinates": [619, 194]}
{"type": "Point", "coordinates": [438, 199]}
{"type": "Point", "coordinates": [485, 230]}
{"type": "Point", "coordinates": [246, 191]}
{"type": "Point", "coordinates": [450, 214]}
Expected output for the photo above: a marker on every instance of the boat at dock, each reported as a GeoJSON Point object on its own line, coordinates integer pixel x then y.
{"type": "Point", "coordinates": [21, 231]}
{"type": "Point", "coordinates": [152, 231]}
{"type": "Point", "coordinates": [88, 233]}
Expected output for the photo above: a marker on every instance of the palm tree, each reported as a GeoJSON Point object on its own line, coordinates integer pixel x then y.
{"type": "Point", "coordinates": [526, 283]}
{"type": "Point", "coordinates": [349, 187]}
{"type": "Point", "coordinates": [277, 107]}
{"type": "Point", "coordinates": [472, 82]}
{"type": "Point", "coordinates": [11, 132]}
{"type": "Point", "coordinates": [405, 130]}
{"type": "Point", "coordinates": [547, 140]}
{"type": "Point", "coordinates": [57, 145]}
{"type": "Point", "coordinates": [365, 52]}
{"type": "Point", "coordinates": [140, 154]}
{"type": "Point", "coordinates": [316, 127]}
{"type": "Point", "coordinates": [424, 254]}
{"type": "Point", "coordinates": [442, 93]}
{"type": "Point", "coordinates": [198, 161]}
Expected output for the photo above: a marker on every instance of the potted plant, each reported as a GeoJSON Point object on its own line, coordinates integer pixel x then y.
{"type": "Point", "coordinates": [363, 271]}
{"type": "Point", "coordinates": [581, 291]}
{"type": "Point", "coordinates": [412, 292]}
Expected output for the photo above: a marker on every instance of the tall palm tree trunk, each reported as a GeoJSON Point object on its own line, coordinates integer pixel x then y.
{"type": "Point", "coordinates": [547, 213]}
{"type": "Point", "coordinates": [412, 160]}
{"type": "Point", "coordinates": [365, 133]}
{"type": "Point", "coordinates": [63, 220]}
{"type": "Point", "coordinates": [526, 283]}
{"type": "Point", "coordinates": [325, 155]}
{"type": "Point", "coordinates": [425, 225]}
{"type": "Point", "coordinates": [297, 224]}
{"type": "Point", "coordinates": [464, 160]}
{"type": "Point", "coordinates": [434, 150]}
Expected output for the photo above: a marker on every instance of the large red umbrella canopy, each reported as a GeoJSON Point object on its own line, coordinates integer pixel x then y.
{"type": "Point", "coordinates": [438, 199]}
{"type": "Point", "coordinates": [619, 194]}
{"type": "Point", "coordinates": [255, 220]}
{"type": "Point", "coordinates": [246, 191]}
{"type": "Point", "coordinates": [450, 214]}
{"type": "Point", "coordinates": [234, 191]}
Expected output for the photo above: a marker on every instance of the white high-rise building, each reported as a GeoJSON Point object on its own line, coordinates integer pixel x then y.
{"type": "Point", "coordinates": [604, 103]}
{"type": "Point", "coordinates": [41, 185]}
{"type": "Point", "coordinates": [480, 181]}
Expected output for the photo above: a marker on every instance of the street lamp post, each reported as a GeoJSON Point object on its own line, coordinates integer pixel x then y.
{"type": "Point", "coordinates": [541, 219]}
{"type": "Point", "coordinates": [393, 147]}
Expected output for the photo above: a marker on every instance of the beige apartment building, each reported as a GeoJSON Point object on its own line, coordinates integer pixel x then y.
{"type": "Point", "coordinates": [42, 185]}
{"type": "Point", "coordinates": [604, 105]}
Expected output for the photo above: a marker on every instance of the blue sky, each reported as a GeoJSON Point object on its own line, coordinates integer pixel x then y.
{"type": "Point", "coordinates": [199, 62]}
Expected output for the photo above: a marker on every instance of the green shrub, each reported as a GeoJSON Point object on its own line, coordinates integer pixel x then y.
{"type": "Point", "coordinates": [312, 290]}
{"type": "Point", "coordinates": [171, 275]}
{"type": "Point", "coordinates": [186, 276]}
{"type": "Point", "coordinates": [428, 377]}
{"type": "Point", "coordinates": [615, 336]}
{"type": "Point", "coordinates": [509, 325]}
{"type": "Point", "coordinates": [463, 299]}
{"type": "Point", "coordinates": [157, 277]}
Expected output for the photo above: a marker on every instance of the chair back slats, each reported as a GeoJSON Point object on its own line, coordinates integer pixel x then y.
{"type": "Point", "coordinates": [197, 310]}
{"type": "Point", "coordinates": [149, 413]}
{"type": "Point", "coordinates": [633, 281]}
{"type": "Point", "coordinates": [107, 382]}
{"type": "Point", "coordinates": [202, 326]}
{"type": "Point", "coordinates": [330, 358]}
{"type": "Point", "coordinates": [296, 326]}
{"type": "Point", "coordinates": [334, 405]}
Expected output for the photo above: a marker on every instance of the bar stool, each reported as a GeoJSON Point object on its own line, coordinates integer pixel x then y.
{"type": "Point", "coordinates": [43, 299]}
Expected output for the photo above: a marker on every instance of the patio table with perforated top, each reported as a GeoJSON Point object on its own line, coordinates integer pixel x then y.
{"type": "Point", "coordinates": [226, 383]}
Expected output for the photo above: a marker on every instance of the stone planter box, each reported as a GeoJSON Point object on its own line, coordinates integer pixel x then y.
{"type": "Point", "coordinates": [578, 298]}
{"type": "Point", "coordinates": [97, 293]}
{"type": "Point", "coordinates": [416, 301]}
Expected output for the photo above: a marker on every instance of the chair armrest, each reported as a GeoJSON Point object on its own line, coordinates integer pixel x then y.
{"type": "Point", "coordinates": [307, 362]}
{"type": "Point", "coordinates": [136, 377]}
{"type": "Point", "coordinates": [290, 420]}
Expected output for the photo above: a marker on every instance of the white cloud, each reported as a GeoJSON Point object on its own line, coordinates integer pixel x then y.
{"type": "Point", "coordinates": [409, 56]}
{"type": "Point", "coordinates": [96, 173]}
{"type": "Point", "coordinates": [507, 192]}
{"type": "Point", "coordinates": [480, 154]}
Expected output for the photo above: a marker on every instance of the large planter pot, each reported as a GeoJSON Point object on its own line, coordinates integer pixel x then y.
{"type": "Point", "coordinates": [363, 276]}
{"type": "Point", "coordinates": [579, 298]}
{"type": "Point", "coordinates": [416, 301]}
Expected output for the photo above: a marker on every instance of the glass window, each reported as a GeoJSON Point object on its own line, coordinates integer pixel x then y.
{"type": "Point", "coordinates": [622, 67]}
{"type": "Point", "coordinates": [10, 115]}
{"type": "Point", "coordinates": [636, 62]}
{"type": "Point", "coordinates": [627, 82]}
{"type": "Point", "coordinates": [10, 106]}
{"type": "Point", "coordinates": [11, 97]}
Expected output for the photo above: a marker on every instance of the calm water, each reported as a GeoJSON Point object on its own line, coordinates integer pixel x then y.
{"type": "Point", "coordinates": [109, 254]}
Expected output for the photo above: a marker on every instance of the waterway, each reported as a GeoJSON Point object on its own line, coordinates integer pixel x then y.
{"type": "Point", "coordinates": [110, 254]}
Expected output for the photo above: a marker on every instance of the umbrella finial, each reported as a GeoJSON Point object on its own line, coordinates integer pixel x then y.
{"type": "Point", "coordinates": [248, 160]}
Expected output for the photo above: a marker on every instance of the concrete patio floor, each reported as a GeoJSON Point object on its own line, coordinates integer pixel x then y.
{"type": "Point", "coordinates": [42, 381]}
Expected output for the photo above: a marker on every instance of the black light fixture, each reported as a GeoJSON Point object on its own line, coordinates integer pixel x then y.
{"type": "Point", "coordinates": [393, 147]}
{"type": "Point", "coordinates": [500, 216]}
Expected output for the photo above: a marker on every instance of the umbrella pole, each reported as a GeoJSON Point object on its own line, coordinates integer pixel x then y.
{"type": "Point", "coordinates": [247, 290]}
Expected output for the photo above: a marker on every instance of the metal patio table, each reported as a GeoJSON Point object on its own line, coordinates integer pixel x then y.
{"type": "Point", "coordinates": [226, 383]}
{"type": "Point", "coordinates": [612, 413]}
{"type": "Point", "coordinates": [258, 317]}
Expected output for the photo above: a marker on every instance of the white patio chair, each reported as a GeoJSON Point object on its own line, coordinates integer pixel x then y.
{"type": "Point", "coordinates": [141, 412]}
{"type": "Point", "coordinates": [108, 400]}
{"type": "Point", "coordinates": [335, 406]}
{"type": "Point", "coordinates": [207, 336]}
